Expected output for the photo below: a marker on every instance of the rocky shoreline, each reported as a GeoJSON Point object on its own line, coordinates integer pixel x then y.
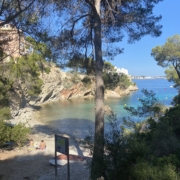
{"type": "Point", "coordinates": [58, 86]}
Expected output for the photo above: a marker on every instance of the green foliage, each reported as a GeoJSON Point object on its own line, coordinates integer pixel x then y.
{"type": "Point", "coordinates": [34, 88]}
{"type": "Point", "coordinates": [149, 106]}
{"type": "Point", "coordinates": [172, 116]}
{"type": "Point", "coordinates": [171, 159]}
{"type": "Point", "coordinates": [171, 75]}
{"type": "Point", "coordinates": [28, 70]}
{"type": "Point", "coordinates": [176, 100]}
{"type": "Point", "coordinates": [47, 70]}
{"type": "Point", "coordinates": [5, 113]}
{"type": "Point", "coordinates": [168, 55]}
{"type": "Point", "coordinates": [19, 134]}
{"type": "Point", "coordinates": [81, 64]}
{"type": "Point", "coordinates": [124, 81]}
{"type": "Point", "coordinates": [75, 78]}
{"type": "Point", "coordinates": [112, 80]}
{"type": "Point", "coordinates": [76, 63]}
{"type": "Point", "coordinates": [5, 133]}
{"type": "Point", "coordinates": [108, 67]}
{"type": "Point", "coordinates": [143, 150]}
{"type": "Point", "coordinates": [40, 48]}
{"type": "Point", "coordinates": [5, 87]}
{"type": "Point", "coordinates": [146, 171]}
{"type": "Point", "coordinates": [86, 80]}
{"type": "Point", "coordinates": [67, 83]}
{"type": "Point", "coordinates": [13, 133]}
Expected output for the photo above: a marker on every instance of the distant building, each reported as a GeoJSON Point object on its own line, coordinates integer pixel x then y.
{"type": "Point", "coordinates": [121, 70]}
{"type": "Point", "coordinates": [148, 77]}
{"type": "Point", "coordinates": [12, 42]}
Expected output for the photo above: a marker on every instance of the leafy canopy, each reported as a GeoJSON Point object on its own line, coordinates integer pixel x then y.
{"type": "Point", "coordinates": [169, 54]}
{"type": "Point", "coordinates": [172, 76]}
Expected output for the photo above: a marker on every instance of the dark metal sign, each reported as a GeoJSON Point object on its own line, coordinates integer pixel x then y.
{"type": "Point", "coordinates": [62, 146]}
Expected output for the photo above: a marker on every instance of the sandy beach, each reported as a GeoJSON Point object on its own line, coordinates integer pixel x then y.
{"type": "Point", "coordinates": [19, 163]}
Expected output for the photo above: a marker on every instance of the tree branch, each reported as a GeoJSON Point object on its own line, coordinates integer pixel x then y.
{"type": "Point", "coordinates": [2, 7]}
{"type": "Point", "coordinates": [91, 4]}
{"type": "Point", "coordinates": [10, 18]}
{"type": "Point", "coordinates": [74, 22]}
{"type": "Point", "coordinates": [19, 6]}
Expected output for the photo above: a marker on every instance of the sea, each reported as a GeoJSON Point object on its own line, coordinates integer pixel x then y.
{"type": "Point", "coordinates": [76, 116]}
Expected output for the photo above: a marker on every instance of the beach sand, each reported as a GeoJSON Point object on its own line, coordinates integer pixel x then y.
{"type": "Point", "coordinates": [19, 163]}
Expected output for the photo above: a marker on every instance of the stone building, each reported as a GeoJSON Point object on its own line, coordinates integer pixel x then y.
{"type": "Point", "coordinates": [13, 43]}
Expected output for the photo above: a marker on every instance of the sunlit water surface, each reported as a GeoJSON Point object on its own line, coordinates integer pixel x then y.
{"type": "Point", "coordinates": [76, 116]}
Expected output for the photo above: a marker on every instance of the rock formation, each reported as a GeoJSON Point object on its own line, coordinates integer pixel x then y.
{"type": "Point", "coordinates": [59, 85]}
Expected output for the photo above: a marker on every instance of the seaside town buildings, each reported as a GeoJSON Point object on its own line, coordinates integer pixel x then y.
{"type": "Point", "coordinates": [121, 71]}
{"type": "Point", "coordinates": [148, 77]}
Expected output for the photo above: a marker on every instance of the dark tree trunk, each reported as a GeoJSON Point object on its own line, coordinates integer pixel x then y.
{"type": "Point", "coordinates": [97, 163]}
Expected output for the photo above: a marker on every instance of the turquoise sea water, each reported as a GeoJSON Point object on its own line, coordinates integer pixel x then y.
{"type": "Point", "coordinates": [75, 116]}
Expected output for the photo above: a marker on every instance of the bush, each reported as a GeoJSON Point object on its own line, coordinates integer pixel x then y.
{"type": "Point", "coordinates": [17, 133]}
{"type": "Point", "coordinates": [86, 80]}
{"type": "Point", "coordinates": [145, 171]}
{"type": "Point", "coordinates": [75, 78]}
{"type": "Point", "coordinates": [47, 70]}
{"type": "Point", "coordinates": [5, 133]}
{"type": "Point", "coordinates": [34, 88]}
{"type": "Point", "coordinates": [5, 113]}
{"type": "Point", "coordinates": [112, 80]}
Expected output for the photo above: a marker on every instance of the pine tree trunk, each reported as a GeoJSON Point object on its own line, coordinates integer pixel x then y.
{"type": "Point", "coordinates": [97, 163]}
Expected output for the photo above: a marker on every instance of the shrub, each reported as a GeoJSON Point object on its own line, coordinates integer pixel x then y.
{"type": "Point", "coordinates": [145, 171]}
{"type": "Point", "coordinates": [47, 70]}
{"type": "Point", "coordinates": [5, 113]}
{"type": "Point", "coordinates": [5, 133]}
{"type": "Point", "coordinates": [86, 80]}
{"type": "Point", "coordinates": [17, 133]}
{"type": "Point", "coordinates": [67, 83]}
{"type": "Point", "coordinates": [75, 78]}
{"type": "Point", "coordinates": [112, 80]}
{"type": "Point", "coordinates": [34, 88]}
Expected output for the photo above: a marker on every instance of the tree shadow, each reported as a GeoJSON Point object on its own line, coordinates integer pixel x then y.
{"type": "Point", "coordinates": [71, 127]}
{"type": "Point", "coordinates": [31, 166]}
{"type": "Point", "coordinates": [25, 165]}
{"type": "Point", "coordinates": [74, 129]}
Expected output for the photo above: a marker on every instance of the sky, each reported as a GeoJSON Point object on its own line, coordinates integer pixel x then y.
{"type": "Point", "coordinates": [136, 57]}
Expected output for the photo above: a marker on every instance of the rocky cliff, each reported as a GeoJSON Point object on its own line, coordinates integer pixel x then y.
{"type": "Point", "coordinates": [59, 85]}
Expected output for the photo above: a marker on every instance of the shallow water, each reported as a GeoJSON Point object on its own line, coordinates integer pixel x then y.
{"type": "Point", "coordinates": [77, 115]}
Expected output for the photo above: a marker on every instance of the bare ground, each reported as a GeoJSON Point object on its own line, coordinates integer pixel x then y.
{"type": "Point", "coordinates": [20, 164]}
